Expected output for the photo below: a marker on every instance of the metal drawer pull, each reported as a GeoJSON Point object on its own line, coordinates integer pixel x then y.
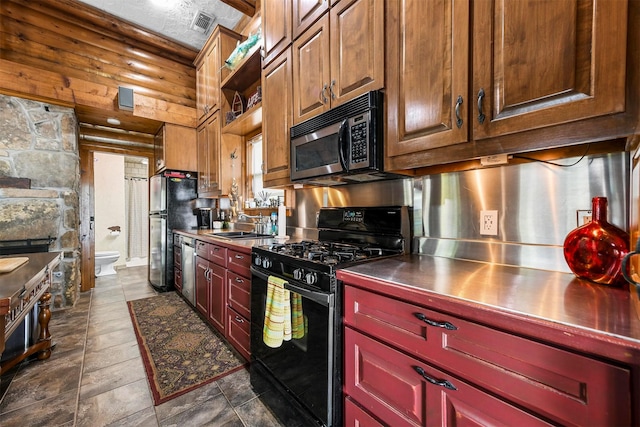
{"type": "Point", "coordinates": [239, 256]}
{"type": "Point", "coordinates": [445, 325]}
{"type": "Point", "coordinates": [239, 280]}
{"type": "Point", "coordinates": [239, 319]}
{"type": "Point", "coordinates": [441, 383]}
{"type": "Point", "coordinates": [481, 115]}
{"type": "Point", "coordinates": [333, 95]}
{"type": "Point", "coordinates": [458, 118]}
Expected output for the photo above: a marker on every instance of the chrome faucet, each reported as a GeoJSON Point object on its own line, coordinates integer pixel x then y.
{"type": "Point", "coordinates": [242, 216]}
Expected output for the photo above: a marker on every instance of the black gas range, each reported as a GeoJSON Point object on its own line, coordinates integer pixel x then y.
{"type": "Point", "coordinates": [307, 366]}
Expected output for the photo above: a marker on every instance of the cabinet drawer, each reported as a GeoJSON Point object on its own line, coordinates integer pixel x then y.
{"type": "Point", "coordinates": [202, 249]}
{"type": "Point", "coordinates": [561, 385]}
{"type": "Point", "coordinates": [239, 294]}
{"type": "Point", "coordinates": [387, 383]}
{"type": "Point", "coordinates": [177, 275]}
{"type": "Point", "coordinates": [355, 416]}
{"type": "Point", "coordinates": [239, 262]}
{"type": "Point", "coordinates": [177, 257]}
{"type": "Point", "coordinates": [218, 254]}
{"type": "Point", "coordinates": [239, 333]}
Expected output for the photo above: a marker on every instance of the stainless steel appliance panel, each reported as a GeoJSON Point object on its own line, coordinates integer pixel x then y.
{"type": "Point", "coordinates": [157, 252]}
{"type": "Point", "coordinates": [188, 270]}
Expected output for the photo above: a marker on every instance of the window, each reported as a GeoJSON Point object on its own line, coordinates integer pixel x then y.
{"type": "Point", "coordinates": [256, 193]}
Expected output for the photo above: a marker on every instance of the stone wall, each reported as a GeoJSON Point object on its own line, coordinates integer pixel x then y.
{"type": "Point", "coordinates": [40, 142]}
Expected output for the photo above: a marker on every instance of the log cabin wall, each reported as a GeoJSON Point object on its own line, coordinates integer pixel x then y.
{"type": "Point", "coordinates": [67, 53]}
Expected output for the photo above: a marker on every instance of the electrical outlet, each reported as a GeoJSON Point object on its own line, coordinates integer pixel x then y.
{"type": "Point", "coordinates": [488, 223]}
{"type": "Point", "coordinates": [583, 217]}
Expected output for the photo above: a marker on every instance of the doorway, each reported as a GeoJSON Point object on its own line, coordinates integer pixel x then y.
{"type": "Point", "coordinates": [90, 213]}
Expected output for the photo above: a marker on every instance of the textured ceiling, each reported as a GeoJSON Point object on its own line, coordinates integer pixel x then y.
{"type": "Point", "coordinates": [171, 18]}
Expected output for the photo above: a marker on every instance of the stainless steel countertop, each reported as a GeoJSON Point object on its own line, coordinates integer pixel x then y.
{"type": "Point", "coordinates": [244, 244]}
{"type": "Point", "coordinates": [558, 301]}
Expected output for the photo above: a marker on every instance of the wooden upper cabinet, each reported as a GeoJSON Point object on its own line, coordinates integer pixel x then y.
{"type": "Point", "coordinates": [305, 13]}
{"type": "Point", "coordinates": [208, 137]}
{"type": "Point", "coordinates": [427, 75]}
{"type": "Point", "coordinates": [175, 147]}
{"type": "Point", "coordinates": [357, 49]}
{"type": "Point", "coordinates": [311, 72]}
{"type": "Point", "coordinates": [338, 58]}
{"type": "Point", "coordinates": [276, 28]}
{"type": "Point", "coordinates": [473, 79]}
{"type": "Point", "coordinates": [541, 63]}
{"type": "Point", "coordinates": [277, 93]}
{"type": "Point", "coordinates": [209, 70]}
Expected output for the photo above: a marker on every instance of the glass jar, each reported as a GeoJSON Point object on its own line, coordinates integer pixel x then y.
{"type": "Point", "coordinates": [594, 251]}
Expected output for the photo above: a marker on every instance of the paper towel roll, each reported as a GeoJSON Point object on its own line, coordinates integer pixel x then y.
{"type": "Point", "coordinates": [282, 221]}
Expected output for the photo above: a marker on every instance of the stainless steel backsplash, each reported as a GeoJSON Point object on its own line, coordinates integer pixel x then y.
{"type": "Point", "coordinates": [537, 206]}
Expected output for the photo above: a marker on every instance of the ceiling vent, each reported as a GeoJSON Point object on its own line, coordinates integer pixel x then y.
{"type": "Point", "coordinates": [202, 22]}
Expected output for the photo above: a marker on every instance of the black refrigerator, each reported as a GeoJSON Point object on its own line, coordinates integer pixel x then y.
{"type": "Point", "coordinates": [170, 196]}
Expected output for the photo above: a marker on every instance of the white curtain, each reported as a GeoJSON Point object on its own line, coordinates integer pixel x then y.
{"type": "Point", "coordinates": [137, 218]}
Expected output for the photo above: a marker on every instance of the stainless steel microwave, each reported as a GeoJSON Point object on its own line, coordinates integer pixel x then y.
{"type": "Point", "coordinates": [344, 144]}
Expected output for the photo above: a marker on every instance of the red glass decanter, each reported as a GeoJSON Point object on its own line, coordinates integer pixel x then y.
{"type": "Point", "coordinates": [594, 251]}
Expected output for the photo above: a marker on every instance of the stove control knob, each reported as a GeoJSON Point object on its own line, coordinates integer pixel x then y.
{"type": "Point", "coordinates": [257, 260]}
{"type": "Point", "coordinates": [298, 274]}
{"type": "Point", "coordinates": [311, 278]}
{"type": "Point", "coordinates": [266, 262]}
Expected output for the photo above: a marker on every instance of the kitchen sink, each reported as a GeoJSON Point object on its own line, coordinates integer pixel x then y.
{"type": "Point", "coordinates": [232, 235]}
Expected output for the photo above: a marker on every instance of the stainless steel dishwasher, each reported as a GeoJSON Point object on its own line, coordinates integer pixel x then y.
{"type": "Point", "coordinates": [188, 270]}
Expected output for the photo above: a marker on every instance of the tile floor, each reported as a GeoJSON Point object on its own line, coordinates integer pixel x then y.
{"type": "Point", "coordinates": [95, 376]}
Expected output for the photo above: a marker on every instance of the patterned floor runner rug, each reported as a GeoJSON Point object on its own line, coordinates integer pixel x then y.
{"type": "Point", "coordinates": [180, 352]}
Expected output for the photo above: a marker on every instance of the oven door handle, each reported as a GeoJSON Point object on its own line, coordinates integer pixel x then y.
{"type": "Point", "coordinates": [323, 298]}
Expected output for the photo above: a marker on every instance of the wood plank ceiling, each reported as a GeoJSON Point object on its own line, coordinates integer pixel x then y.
{"type": "Point", "coordinates": [66, 53]}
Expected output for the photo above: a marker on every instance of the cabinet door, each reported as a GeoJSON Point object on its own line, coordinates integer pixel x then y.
{"type": "Point", "coordinates": [402, 391]}
{"type": "Point", "coordinates": [276, 120]}
{"type": "Point", "coordinates": [201, 91]}
{"type": "Point", "coordinates": [208, 159]}
{"type": "Point", "coordinates": [203, 159]}
{"type": "Point", "coordinates": [158, 150]}
{"type": "Point", "coordinates": [217, 298]}
{"type": "Point", "coordinates": [541, 63]}
{"type": "Point", "coordinates": [213, 136]}
{"type": "Point", "coordinates": [276, 28]}
{"type": "Point", "coordinates": [305, 13]}
{"type": "Point", "coordinates": [428, 48]}
{"type": "Point", "coordinates": [357, 49]}
{"type": "Point", "coordinates": [180, 150]}
{"type": "Point", "coordinates": [311, 72]}
{"type": "Point", "coordinates": [212, 84]}
{"type": "Point", "coordinates": [202, 285]}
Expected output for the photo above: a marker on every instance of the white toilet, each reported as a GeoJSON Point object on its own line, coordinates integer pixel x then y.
{"type": "Point", "coordinates": [105, 261]}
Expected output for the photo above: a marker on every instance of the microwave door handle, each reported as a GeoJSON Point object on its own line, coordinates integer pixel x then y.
{"type": "Point", "coordinates": [343, 144]}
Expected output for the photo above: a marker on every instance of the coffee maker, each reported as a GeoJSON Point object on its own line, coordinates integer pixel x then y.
{"type": "Point", "coordinates": [205, 212]}
{"type": "Point", "coordinates": [204, 217]}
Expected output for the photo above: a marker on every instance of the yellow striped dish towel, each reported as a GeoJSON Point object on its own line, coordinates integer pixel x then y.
{"type": "Point", "coordinates": [297, 317]}
{"type": "Point", "coordinates": [277, 314]}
